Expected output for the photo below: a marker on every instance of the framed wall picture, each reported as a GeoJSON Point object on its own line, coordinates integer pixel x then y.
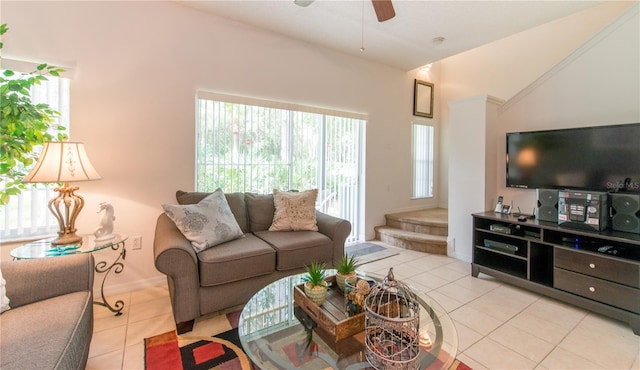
{"type": "Point", "coordinates": [423, 99]}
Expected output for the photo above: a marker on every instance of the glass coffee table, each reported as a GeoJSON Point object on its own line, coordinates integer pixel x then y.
{"type": "Point", "coordinates": [274, 337]}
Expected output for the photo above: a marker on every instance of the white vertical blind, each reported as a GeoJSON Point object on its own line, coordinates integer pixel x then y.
{"type": "Point", "coordinates": [422, 148]}
{"type": "Point", "coordinates": [242, 147]}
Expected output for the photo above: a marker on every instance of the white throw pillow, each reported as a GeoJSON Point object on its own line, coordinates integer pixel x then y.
{"type": "Point", "coordinates": [4, 300]}
{"type": "Point", "coordinates": [207, 223]}
{"type": "Point", "coordinates": [295, 211]}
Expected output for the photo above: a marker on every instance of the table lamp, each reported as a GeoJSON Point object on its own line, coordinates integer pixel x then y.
{"type": "Point", "coordinates": [64, 162]}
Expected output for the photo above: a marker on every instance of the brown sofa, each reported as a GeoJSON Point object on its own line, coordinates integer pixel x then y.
{"type": "Point", "coordinates": [229, 274]}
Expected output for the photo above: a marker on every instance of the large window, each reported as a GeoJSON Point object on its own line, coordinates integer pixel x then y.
{"type": "Point", "coordinates": [422, 147]}
{"type": "Point", "coordinates": [248, 145]}
{"type": "Point", "coordinates": [26, 215]}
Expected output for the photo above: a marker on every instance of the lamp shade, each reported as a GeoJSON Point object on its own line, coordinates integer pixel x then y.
{"type": "Point", "coordinates": [62, 162]}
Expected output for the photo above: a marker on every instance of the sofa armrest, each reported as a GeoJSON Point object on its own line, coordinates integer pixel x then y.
{"type": "Point", "coordinates": [337, 230]}
{"type": "Point", "coordinates": [175, 257]}
{"type": "Point", "coordinates": [34, 280]}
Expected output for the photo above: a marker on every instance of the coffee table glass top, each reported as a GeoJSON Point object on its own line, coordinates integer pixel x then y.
{"type": "Point", "coordinates": [274, 338]}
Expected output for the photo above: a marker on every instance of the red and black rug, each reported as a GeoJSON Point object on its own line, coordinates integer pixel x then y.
{"type": "Point", "coordinates": [222, 351]}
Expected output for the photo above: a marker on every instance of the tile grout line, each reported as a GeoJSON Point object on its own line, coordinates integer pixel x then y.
{"type": "Point", "coordinates": [569, 333]}
{"type": "Point", "coordinates": [126, 331]}
{"type": "Point", "coordinates": [498, 327]}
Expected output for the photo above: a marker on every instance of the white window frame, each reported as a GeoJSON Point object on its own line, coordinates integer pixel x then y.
{"type": "Point", "coordinates": [423, 163]}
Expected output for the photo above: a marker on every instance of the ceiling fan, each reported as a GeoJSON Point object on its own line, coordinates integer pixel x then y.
{"type": "Point", "coordinates": [384, 8]}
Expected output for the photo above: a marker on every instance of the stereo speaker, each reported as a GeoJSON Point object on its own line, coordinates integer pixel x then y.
{"type": "Point", "coordinates": [547, 205]}
{"type": "Point", "coordinates": [625, 212]}
{"type": "Point", "coordinates": [583, 210]}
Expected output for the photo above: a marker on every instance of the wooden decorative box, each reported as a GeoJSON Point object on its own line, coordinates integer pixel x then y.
{"type": "Point", "coordinates": [331, 316]}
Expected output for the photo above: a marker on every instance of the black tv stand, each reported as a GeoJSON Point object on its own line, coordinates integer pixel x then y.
{"type": "Point", "coordinates": [598, 271]}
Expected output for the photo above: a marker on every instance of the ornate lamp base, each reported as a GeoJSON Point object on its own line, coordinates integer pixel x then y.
{"type": "Point", "coordinates": [67, 239]}
{"type": "Point", "coordinates": [66, 207]}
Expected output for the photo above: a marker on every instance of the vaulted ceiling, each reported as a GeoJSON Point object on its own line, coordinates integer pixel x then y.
{"type": "Point", "coordinates": [422, 32]}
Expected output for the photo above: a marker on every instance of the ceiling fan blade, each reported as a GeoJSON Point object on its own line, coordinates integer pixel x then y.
{"type": "Point", "coordinates": [384, 9]}
{"type": "Point", "coordinates": [303, 2]}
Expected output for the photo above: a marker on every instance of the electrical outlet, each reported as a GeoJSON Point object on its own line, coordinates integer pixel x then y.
{"type": "Point", "coordinates": [136, 242]}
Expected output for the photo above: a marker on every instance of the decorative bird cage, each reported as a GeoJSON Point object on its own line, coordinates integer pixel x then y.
{"type": "Point", "coordinates": [392, 320]}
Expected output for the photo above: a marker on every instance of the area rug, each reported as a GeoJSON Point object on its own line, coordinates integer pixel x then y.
{"type": "Point", "coordinates": [222, 351]}
{"type": "Point", "coordinates": [368, 252]}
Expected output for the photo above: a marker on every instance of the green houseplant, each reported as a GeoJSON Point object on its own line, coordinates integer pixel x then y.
{"type": "Point", "coordinates": [315, 285]}
{"type": "Point", "coordinates": [23, 124]}
{"type": "Point", "coordinates": [346, 271]}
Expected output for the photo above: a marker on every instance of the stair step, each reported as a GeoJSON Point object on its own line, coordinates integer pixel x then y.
{"type": "Point", "coordinates": [436, 244]}
{"type": "Point", "coordinates": [429, 221]}
{"type": "Point", "coordinates": [435, 216]}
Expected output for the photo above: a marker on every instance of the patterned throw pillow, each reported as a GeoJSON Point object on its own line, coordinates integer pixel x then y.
{"type": "Point", "coordinates": [207, 223]}
{"type": "Point", "coordinates": [295, 211]}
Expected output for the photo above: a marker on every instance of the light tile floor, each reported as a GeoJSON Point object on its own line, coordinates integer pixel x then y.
{"type": "Point", "coordinates": [499, 326]}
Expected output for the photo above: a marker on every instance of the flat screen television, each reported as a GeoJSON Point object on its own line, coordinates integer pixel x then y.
{"type": "Point", "coordinates": [601, 158]}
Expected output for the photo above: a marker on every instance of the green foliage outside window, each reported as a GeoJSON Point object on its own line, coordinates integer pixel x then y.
{"type": "Point", "coordinates": [257, 149]}
{"type": "Point", "coordinates": [242, 147]}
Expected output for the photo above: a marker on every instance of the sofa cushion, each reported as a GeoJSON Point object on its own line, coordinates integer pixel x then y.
{"type": "Point", "coordinates": [260, 209]}
{"type": "Point", "coordinates": [236, 260]}
{"type": "Point", "coordinates": [32, 340]}
{"type": "Point", "coordinates": [190, 197]}
{"type": "Point", "coordinates": [235, 200]}
{"type": "Point", "coordinates": [296, 249]}
{"type": "Point", "coordinates": [207, 223]}
{"type": "Point", "coordinates": [295, 211]}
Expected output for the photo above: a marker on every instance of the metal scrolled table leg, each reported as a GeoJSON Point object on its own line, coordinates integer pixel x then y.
{"type": "Point", "coordinates": [117, 266]}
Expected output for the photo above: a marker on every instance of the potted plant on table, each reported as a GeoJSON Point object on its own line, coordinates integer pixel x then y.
{"type": "Point", "coordinates": [315, 285]}
{"type": "Point", "coordinates": [346, 271]}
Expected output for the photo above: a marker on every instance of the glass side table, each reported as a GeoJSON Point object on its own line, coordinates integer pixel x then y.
{"type": "Point", "coordinates": [43, 249]}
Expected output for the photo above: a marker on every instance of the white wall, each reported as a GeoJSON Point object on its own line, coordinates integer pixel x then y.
{"type": "Point", "coordinates": [137, 66]}
{"type": "Point", "coordinates": [599, 84]}
{"type": "Point", "coordinates": [505, 67]}
{"type": "Point", "coordinates": [473, 124]}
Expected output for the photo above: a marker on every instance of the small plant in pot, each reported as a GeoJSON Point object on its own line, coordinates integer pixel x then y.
{"type": "Point", "coordinates": [346, 271]}
{"type": "Point", "coordinates": [315, 286]}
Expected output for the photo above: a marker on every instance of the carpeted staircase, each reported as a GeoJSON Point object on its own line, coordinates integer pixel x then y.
{"type": "Point", "coordinates": [423, 230]}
